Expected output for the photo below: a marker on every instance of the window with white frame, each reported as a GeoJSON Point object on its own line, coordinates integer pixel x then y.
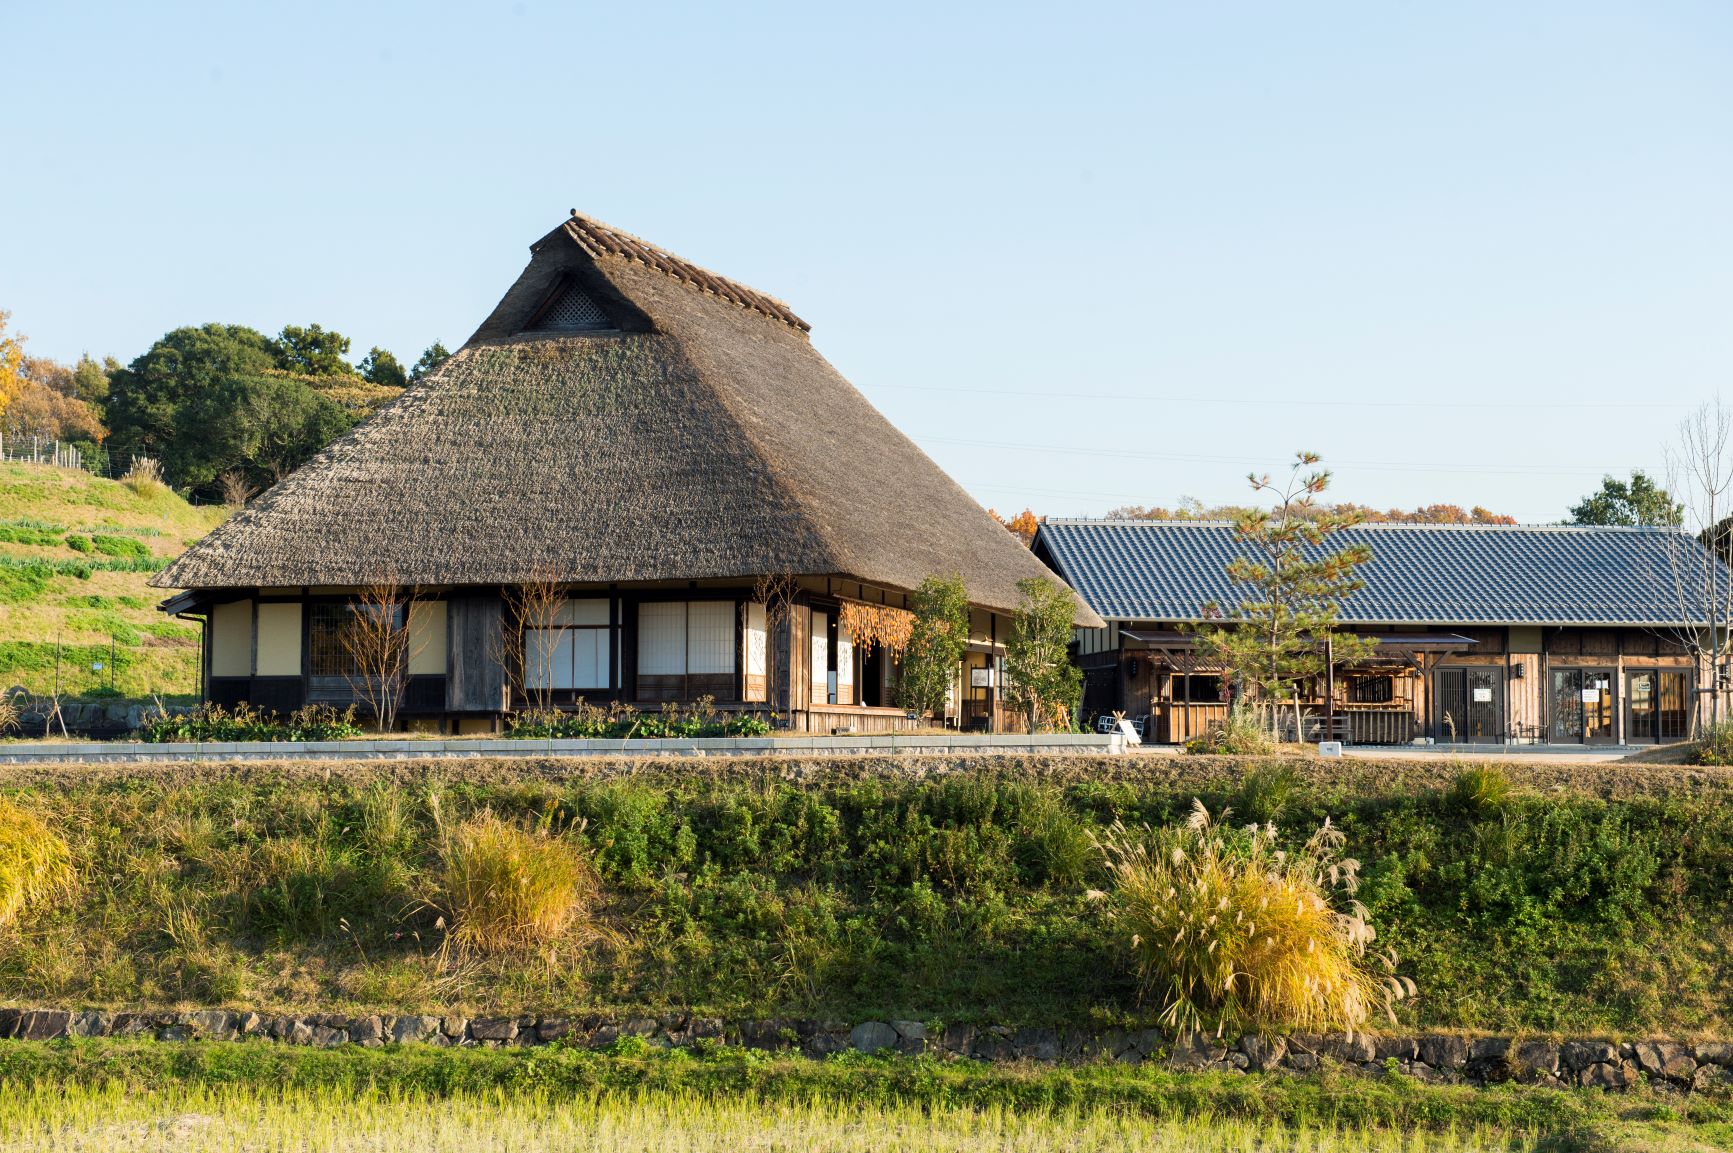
{"type": "Point", "coordinates": [686, 638]}
{"type": "Point", "coordinates": [821, 687]}
{"type": "Point", "coordinates": [574, 651]}
{"type": "Point", "coordinates": [756, 640]}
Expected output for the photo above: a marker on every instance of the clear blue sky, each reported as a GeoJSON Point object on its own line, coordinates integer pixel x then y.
{"type": "Point", "coordinates": [1084, 254]}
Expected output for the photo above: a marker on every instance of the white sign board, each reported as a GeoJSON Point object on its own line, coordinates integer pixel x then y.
{"type": "Point", "coordinates": [1591, 696]}
{"type": "Point", "coordinates": [1127, 731]}
{"type": "Point", "coordinates": [980, 678]}
{"type": "Point", "coordinates": [1482, 696]}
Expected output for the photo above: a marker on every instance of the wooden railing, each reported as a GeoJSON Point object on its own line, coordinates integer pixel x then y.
{"type": "Point", "coordinates": [1379, 726]}
{"type": "Point", "coordinates": [825, 719]}
{"type": "Point", "coordinates": [1174, 723]}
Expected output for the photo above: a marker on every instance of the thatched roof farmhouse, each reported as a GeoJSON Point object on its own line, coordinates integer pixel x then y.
{"type": "Point", "coordinates": [645, 433]}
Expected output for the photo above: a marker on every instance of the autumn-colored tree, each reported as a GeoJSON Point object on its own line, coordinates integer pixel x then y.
{"type": "Point", "coordinates": [1023, 526]}
{"type": "Point", "coordinates": [1190, 509]}
{"type": "Point", "coordinates": [11, 363]}
{"type": "Point", "coordinates": [39, 411]}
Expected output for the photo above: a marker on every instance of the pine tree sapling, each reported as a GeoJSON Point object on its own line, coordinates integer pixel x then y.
{"type": "Point", "coordinates": [1284, 633]}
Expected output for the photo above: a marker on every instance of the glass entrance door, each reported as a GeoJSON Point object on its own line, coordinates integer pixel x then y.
{"type": "Point", "coordinates": [1582, 705]}
{"type": "Point", "coordinates": [1656, 706]}
{"type": "Point", "coordinates": [1470, 705]}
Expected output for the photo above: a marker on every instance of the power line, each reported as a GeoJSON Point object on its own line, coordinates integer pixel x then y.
{"type": "Point", "coordinates": [1265, 403]}
{"type": "Point", "coordinates": [1534, 470]}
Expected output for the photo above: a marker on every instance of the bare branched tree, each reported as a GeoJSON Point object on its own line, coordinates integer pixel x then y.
{"type": "Point", "coordinates": [1699, 469]}
{"type": "Point", "coordinates": [376, 639]}
{"type": "Point", "coordinates": [236, 491]}
{"type": "Point", "coordinates": [526, 645]}
{"type": "Point", "coordinates": [777, 592]}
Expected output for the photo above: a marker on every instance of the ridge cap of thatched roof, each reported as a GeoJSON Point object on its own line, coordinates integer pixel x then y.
{"type": "Point", "coordinates": [603, 241]}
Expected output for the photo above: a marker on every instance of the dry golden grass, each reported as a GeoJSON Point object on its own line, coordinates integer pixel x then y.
{"type": "Point", "coordinates": [35, 864]}
{"type": "Point", "coordinates": [145, 478]}
{"type": "Point", "coordinates": [507, 889]}
{"type": "Point", "coordinates": [1235, 935]}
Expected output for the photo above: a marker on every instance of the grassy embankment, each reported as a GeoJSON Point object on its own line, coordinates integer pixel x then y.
{"type": "Point", "coordinates": [1584, 900]}
{"type": "Point", "coordinates": [76, 552]}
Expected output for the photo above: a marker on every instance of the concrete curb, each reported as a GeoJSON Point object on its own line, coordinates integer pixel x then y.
{"type": "Point", "coordinates": [122, 752]}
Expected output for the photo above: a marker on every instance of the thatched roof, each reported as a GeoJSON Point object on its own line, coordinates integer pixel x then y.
{"type": "Point", "coordinates": [701, 436]}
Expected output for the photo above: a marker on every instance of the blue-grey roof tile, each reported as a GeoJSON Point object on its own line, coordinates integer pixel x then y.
{"type": "Point", "coordinates": [1419, 573]}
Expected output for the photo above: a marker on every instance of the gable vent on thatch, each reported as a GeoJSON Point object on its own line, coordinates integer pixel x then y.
{"type": "Point", "coordinates": [572, 310]}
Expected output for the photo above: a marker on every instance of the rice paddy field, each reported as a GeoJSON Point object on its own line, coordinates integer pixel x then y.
{"type": "Point", "coordinates": [224, 1120]}
{"type": "Point", "coordinates": [91, 1095]}
{"type": "Point", "coordinates": [233, 1119]}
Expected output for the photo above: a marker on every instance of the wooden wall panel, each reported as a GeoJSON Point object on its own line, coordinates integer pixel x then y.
{"type": "Point", "coordinates": [475, 681]}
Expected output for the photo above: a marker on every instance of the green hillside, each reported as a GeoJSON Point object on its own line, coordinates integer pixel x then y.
{"type": "Point", "coordinates": [76, 552]}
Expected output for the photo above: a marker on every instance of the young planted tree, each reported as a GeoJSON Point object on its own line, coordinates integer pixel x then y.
{"type": "Point", "coordinates": [1700, 474]}
{"type": "Point", "coordinates": [776, 592]}
{"type": "Point", "coordinates": [526, 644]}
{"type": "Point", "coordinates": [1284, 633]}
{"type": "Point", "coordinates": [376, 639]}
{"type": "Point", "coordinates": [1040, 679]}
{"type": "Point", "coordinates": [937, 642]}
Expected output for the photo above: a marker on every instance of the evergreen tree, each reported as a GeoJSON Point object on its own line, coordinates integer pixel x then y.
{"type": "Point", "coordinates": [1040, 679]}
{"type": "Point", "coordinates": [312, 351]}
{"type": "Point", "coordinates": [430, 360]}
{"type": "Point", "coordinates": [1284, 633]}
{"type": "Point", "coordinates": [380, 367]}
{"type": "Point", "coordinates": [936, 645]}
{"type": "Point", "coordinates": [145, 398]}
{"type": "Point", "coordinates": [1639, 501]}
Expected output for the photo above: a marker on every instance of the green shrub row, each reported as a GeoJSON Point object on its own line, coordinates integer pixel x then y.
{"type": "Point", "coordinates": [210, 722]}
{"type": "Point", "coordinates": [39, 570]}
{"type": "Point", "coordinates": [21, 534]}
{"type": "Point", "coordinates": [624, 722]}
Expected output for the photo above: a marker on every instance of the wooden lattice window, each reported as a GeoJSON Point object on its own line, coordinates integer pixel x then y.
{"type": "Point", "coordinates": [572, 310]}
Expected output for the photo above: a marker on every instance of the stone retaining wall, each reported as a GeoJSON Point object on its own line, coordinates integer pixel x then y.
{"type": "Point", "coordinates": [1667, 1065]}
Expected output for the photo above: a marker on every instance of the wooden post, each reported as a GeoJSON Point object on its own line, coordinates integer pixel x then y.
{"type": "Point", "coordinates": [1329, 687]}
{"type": "Point", "coordinates": [1190, 664]}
